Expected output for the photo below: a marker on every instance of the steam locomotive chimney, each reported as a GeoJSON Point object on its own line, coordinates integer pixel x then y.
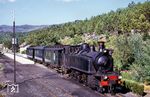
{"type": "Point", "coordinates": [101, 46]}
{"type": "Point", "coordinates": [102, 41]}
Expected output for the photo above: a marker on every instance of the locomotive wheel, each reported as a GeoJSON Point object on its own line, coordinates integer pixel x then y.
{"type": "Point", "coordinates": [75, 77]}
{"type": "Point", "coordinates": [84, 79]}
{"type": "Point", "coordinates": [44, 64]}
{"type": "Point", "coordinates": [72, 74]}
{"type": "Point", "coordinates": [79, 78]}
{"type": "Point", "coordinates": [35, 61]}
{"type": "Point", "coordinates": [91, 81]}
{"type": "Point", "coordinates": [64, 70]}
{"type": "Point", "coordinates": [100, 89]}
{"type": "Point", "coordinates": [112, 89]}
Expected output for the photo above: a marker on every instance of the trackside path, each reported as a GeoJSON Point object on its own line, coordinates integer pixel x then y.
{"type": "Point", "coordinates": [19, 59]}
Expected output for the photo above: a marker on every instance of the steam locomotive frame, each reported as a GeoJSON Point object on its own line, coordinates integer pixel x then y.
{"type": "Point", "coordinates": [81, 62]}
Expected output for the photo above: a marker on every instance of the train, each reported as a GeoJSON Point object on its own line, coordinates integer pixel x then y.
{"type": "Point", "coordinates": [94, 68]}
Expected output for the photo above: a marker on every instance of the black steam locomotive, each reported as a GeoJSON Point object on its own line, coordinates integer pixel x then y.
{"type": "Point", "coordinates": [81, 62]}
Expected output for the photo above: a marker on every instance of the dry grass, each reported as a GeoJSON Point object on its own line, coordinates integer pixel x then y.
{"type": "Point", "coordinates": [2, 85]}
{"type": "Point", "coordinates": [2, 95]}
{"type": "Point", "coordinates": [147, 88]}
{"type": "Point", "coordinates": [1, 67]}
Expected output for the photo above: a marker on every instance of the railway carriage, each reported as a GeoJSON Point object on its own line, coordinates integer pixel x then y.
{"type": "Point", "coordinates": [39, 54]}
{"type": "Point", "coordinates": [53, 56]}
{"type": "Point", "coordinates": [30, 53]}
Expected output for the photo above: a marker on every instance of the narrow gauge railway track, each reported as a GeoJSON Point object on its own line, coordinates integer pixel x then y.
{"type": "Point", "coordinates": [120, 95]}
{"type": "Point", "coordinates": [58, 89]}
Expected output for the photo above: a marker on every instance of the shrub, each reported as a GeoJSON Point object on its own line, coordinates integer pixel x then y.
{"type": "Point", "coordinates": [134, 87]}
{"type": "Point", "coordinates": [141, 53]}
{"type": "Point", "coordinates": [23, 52]}
{"type": "Point", "coordinates": [126, 75]}
{"type": "Point", "coordinates": [133, 54]}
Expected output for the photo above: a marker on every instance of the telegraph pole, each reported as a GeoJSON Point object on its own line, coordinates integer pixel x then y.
{"type": "Point", "coordinates": [13, 88]}
{"type": "Point", "coordinates": [14, 47]}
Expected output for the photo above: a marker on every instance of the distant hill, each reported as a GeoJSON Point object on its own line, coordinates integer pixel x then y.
{"type": "Point", "coordinates": [21, 28]}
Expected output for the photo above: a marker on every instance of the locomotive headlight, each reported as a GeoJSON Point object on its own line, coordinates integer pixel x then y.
{"type": "Point", "coordinates": [120, 77]}
{"type": "Point", "coordinates": [105, 77]}
{"type": "Point", "coordinates": [105, 51]}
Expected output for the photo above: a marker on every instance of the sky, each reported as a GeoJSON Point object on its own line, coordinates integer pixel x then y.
{"type": "Point", "coordinates": [48, 12]}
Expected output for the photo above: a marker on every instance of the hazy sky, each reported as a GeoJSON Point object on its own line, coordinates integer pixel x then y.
{"type": "Point", "coordinates": [40, 12]}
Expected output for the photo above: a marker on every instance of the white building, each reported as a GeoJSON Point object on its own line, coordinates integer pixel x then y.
{"type": "Point", "coordinates": [23, 47]}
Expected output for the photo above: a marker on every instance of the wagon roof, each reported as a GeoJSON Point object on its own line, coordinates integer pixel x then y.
{"type": "Point", "coordinates": [54, 49]}
{"type": "Point", "coordinates": [39, 47]}
{"type": "Point", "coordinates": [31, 47]}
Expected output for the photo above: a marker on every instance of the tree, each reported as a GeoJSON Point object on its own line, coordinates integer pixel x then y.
{"type": "Point", "coordinates": [7, 43]}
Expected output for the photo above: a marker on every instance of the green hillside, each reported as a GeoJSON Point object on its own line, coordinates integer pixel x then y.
{"type": "Point", "coordinates": [135, 16]}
